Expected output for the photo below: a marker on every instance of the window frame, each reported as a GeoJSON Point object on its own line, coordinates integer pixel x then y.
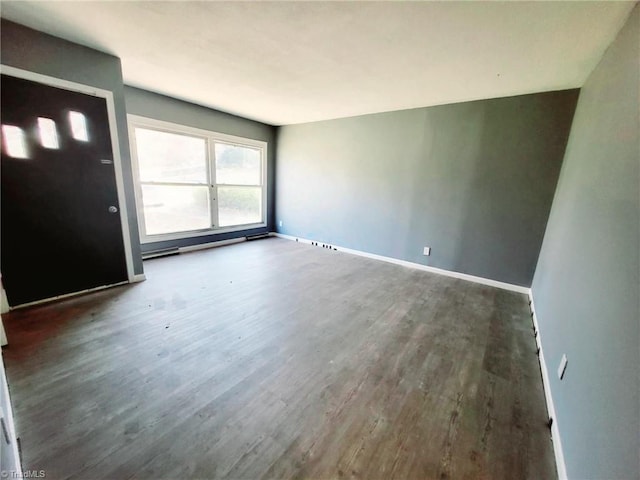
{"type": "Point", "coordinates": [210, 137]}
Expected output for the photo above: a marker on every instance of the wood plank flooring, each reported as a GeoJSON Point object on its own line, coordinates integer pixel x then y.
{"type": "Point", "coordinates": [274, 359]}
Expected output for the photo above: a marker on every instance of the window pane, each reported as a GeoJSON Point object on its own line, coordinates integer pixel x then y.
{"type": "Point", "coordinates": [48, 133]}
{"type": "Point", "coordinates": [169, 209]}
{"type": "Point", "coordinates": [14, 141]}
{"type": "Point", "coordinates": [237, 165]}
{"type": "Point", "coordinates": [169, 157]}
{"type": "Point", "coordinates": [239, 205]}
{"type": "Point", "coordinates": [78, 126]}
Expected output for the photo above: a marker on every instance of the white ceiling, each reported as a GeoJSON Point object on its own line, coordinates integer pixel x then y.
{"type": "Point", "coordinates": [293, 62]}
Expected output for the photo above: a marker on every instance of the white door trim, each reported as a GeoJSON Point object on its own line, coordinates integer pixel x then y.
{"type": "Point", "coordinates": [14, 469]}
{"type": "Point", "coordinates": [115, 144]}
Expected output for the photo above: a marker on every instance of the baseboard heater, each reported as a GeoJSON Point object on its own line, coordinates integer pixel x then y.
{"type": "Point", "coordinates": [200, 246]}
{"type": "Point", "coordinates": [257, 236]}
{"type": "Point", "coordinates": [160, 253]}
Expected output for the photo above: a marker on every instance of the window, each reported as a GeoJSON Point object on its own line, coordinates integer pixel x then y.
{"type": "Point", "coordinates": [78, 126]}
{"type": "Point", "coordinates": [14, 141]}
{"type": "Point", "coordinates": [48, 133]}
{"type": "Point", "coordinates": [238, 175]}
{"type": "Point", "coordinates": [193, 182]}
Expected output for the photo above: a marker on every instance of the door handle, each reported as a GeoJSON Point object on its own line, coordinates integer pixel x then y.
{"type": "Point", "coordinates": [113, 209]}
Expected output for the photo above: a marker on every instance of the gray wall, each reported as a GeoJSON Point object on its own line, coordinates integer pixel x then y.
{"type": "Point", "coordinates": [587, 284]}
{"type": "Point", "coordinates": [474, 181]}
{"type": "Point", "coordinates": [160, 107]}
{"type": "Point", "coordinates": [37, 52]}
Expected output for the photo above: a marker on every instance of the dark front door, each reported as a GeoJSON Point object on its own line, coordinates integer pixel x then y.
{"type": "Point", "coordinates": [60, 221]}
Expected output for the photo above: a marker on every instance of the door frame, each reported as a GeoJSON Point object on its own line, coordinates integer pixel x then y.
{"type": "Point", "coordinates": [115, 147]}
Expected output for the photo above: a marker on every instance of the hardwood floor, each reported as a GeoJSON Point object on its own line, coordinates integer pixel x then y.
{"type": "Point", "coordinates": [274, 359]}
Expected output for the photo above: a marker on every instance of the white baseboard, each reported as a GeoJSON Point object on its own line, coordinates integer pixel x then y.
{"type": "Point", "coordinates": [555, 431]}
{"type": "Point", "coordinates": [417, 266]}
{"type": "Point", "coordinates": [139, 277]}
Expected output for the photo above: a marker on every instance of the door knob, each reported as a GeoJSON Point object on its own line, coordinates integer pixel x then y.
{"type": "Point", "coordinates": [113, 209]}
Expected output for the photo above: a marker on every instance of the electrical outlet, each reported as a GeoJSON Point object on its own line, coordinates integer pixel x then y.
{"type": "Point", "coordinates": [426, 251]}
{"type": "Point", "coordinates": [280, 223]}
{"type": "Point", "coordinates": [562, 367]}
